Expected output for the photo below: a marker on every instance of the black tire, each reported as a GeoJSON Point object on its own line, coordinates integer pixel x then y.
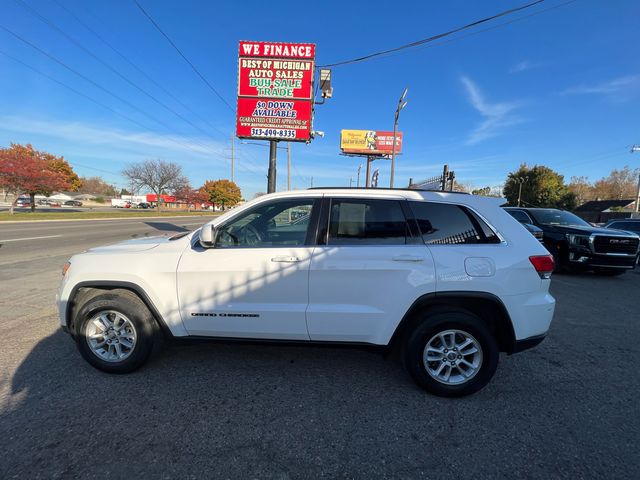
{"type": "Point", "coordinates": [130, 306]}
{"type": "Point", "coordinates": [439, 322]}
{"type": "Point", "coordinates": [609, 272]}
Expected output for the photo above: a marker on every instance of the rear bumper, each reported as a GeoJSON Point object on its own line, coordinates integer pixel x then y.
{"type": "Point", "coordinates": [527, 343]}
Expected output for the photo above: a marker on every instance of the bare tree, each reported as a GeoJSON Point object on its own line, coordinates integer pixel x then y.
{"type": "Point", "coordinates": [157, 175]}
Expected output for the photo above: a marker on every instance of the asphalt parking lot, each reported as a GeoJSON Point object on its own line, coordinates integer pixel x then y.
{"type": "Point", "coordinates": [567, 409]}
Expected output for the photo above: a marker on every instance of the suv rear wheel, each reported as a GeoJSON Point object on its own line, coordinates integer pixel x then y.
{"type": "Point", "coordinates": [115, 332]}
{"type": "Point", "coordinates": [451, 354]}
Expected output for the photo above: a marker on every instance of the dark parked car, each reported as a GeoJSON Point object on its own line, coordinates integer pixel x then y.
{"type": "Point", "coordinates": [144, 205]}
{"type": "Point", "coordinates": [535, 231]}
{"type": "Point", "coordinates": [628, 225]}
{"type": "Point", "coordinates": [73, 203]}
{"type": "Point", "coordinates": [23, 202]}
{"type": "Point", "coordinates": [578, 245]}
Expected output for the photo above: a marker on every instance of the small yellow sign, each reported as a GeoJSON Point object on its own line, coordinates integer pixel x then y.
{"type": "Point", "coordinates": [371, 142]}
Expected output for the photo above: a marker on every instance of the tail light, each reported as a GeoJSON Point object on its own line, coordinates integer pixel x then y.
{"type": "Point", "coordinates": [65, 268]}
{"type": "Point", "coordinates": [543, 264]}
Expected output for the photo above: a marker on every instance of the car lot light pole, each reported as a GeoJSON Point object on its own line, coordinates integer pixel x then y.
{"type": "Point", "coordinates": [401, 105]}
{"type": "Point", "coordinates": [634, 149]}
{"type": "Point", "coordinates": [521, 180]}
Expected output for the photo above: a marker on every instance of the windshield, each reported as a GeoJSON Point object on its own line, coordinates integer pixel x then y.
{"type": "Point", "coordinates": [558, 217]}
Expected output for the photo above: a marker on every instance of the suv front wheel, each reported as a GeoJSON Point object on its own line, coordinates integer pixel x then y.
{"type": "Point", "coordinates": [451, 354]}
{"type": "Point", "coordinates": [115, 332]}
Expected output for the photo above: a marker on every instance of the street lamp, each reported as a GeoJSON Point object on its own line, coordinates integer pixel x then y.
{"type": "Point", "coordinates": [521, 180]}
{"type": "Point", "coordinates": [401, 105]}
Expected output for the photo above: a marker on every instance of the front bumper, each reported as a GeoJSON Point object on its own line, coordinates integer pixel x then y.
{"type": "Point", "coordinates": [588, 259]}
{"type": "Point", "coordinates": [527, 343]}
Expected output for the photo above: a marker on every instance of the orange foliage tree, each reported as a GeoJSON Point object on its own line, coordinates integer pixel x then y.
{"type": "Point", "coordinates": [222, 192]}
{"type": "Point", "coordinates": [23, 169]}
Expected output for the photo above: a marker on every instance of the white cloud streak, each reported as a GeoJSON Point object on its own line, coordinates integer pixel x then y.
{"type": "Point", "coordinates": [523, 66]}
{"type": "Point", "coordinates": [139, 142]}
{"type": "Point", "coordinates": [498, 116]}
{"type": "Point", "coordinates": [619, 88]}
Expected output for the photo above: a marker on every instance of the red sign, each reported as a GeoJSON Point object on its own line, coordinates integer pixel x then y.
{"type": "Point", "coordinates": [277, 50]}
{"type": "Point", "coordinates": [270, 118]}
{"type": "Point", "coordinates": [152, 197]}
{"type": "Point", "coordinates": [275, 90]}
{"type": "Point", "coordinates": [275, 78]}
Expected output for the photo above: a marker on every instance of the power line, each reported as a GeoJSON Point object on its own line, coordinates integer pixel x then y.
{"type": "Point", "coordinates": [109, 92]}
{"type": "Point", "coordinates": [93, 100]}
{"type": "Point", "coordinates": [84, 77]}
{"type": "Point", "coordinates": [183, 55]}
{"type": "Point", "coordinates": [140, 70]}
{"type": "Point", "coordinates": [432, 38]}
{"type": "Point", "coordinates": [77, 92]}
{"type": "Point", "coordinates": [508, 22]}
{"type": "Point", "coordinates": [105, 64]}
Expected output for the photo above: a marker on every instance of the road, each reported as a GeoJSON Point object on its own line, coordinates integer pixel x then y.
{"type": "Point", "coordinates": [567, 409]}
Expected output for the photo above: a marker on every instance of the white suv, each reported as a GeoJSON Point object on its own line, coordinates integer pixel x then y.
{"type": "Point", "coordinates": [449, 280]}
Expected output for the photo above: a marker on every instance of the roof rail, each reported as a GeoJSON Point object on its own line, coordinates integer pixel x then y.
{"type": "Point", "coordinates": [387, 189]}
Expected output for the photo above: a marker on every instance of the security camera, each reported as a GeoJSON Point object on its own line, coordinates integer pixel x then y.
{"type": "Point", "coordinates": [319, 134]}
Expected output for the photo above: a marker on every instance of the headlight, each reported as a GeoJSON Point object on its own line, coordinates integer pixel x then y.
{"type": "Point", "coordinates": [579, 240]}
{"type": "Point", "coordinates": [65, 268]}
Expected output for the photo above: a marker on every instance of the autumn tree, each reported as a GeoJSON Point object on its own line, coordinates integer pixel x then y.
{"type": "Point", "coordinates": [191, 196]}
{"type": "Point", "coordinates": [60, 165]}
{"type": "Point", "coordinates": [582, 189]}
{"type": "Point", "coordinates": [156, 175]}
{"type": "Point", "coordinates": [541, 187]}
{"type": "Point", "coordinates": [222, 192]}
{"type": "Point", "coordinates": [23, 169]}
{"type": "Point", "coordinates": [97, 186]}
{"type": "Point", "coordinates": [619, 185]}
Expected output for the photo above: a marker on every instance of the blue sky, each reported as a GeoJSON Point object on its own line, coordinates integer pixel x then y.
{"type": "Point", "coordinates": [561, 88]}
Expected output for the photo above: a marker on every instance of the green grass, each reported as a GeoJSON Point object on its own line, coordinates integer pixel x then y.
{"type": "Point", "coordinates": [5, 216]}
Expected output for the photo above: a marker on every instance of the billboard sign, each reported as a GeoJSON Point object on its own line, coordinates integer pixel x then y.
{"type": "Point", "coordinates": [369, 142]}
{"type": "Point", "coordinates": [275, 90]}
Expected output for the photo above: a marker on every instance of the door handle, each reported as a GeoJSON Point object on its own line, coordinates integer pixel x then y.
{"type": "Point", "coordinates": [407, 258]}
{"type": "Point", "coordinates": [285, 259]}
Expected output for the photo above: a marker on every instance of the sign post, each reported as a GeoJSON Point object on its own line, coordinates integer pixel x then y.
{"type": "Point", "coordinates": [275, 95]}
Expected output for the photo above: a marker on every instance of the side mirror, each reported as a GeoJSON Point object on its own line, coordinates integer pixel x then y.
{"type": "Point", "coordinates": [208, 236]}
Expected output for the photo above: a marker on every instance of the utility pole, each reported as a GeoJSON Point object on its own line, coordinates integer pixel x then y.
{"type": "Point", "coordinates": [271, 176]}
{"type": "Point", "coordinates": [232, 155]}
{"type": "Point", "coordinates": [445, 176]}
{"type": "Point", "coordinates": [311, 182]}
{"type": "Point", "coordinates": [288, 165]}
{"type": "Point", "coordinates": [401, 105]}
{"type": "Point", "coordinates": [636, 148]}
{"type": "Point", "coordinates": [358, 182]}
{"type": "Point", "coordinates": [350, 182]}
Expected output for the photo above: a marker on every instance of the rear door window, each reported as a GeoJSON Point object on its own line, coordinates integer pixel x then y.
{"type": "Point", "coordinates": [367, 222]}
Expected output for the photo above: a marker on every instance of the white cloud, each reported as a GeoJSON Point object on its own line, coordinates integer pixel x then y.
{"type": "Point", "coordinates": [144, 143]}
{"type": "Point", "coordinates": [616, 89]}
{"type": "Point", "coordinates": [524, 65]}
{"type": "Point", "coordinates": [498, 116]}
